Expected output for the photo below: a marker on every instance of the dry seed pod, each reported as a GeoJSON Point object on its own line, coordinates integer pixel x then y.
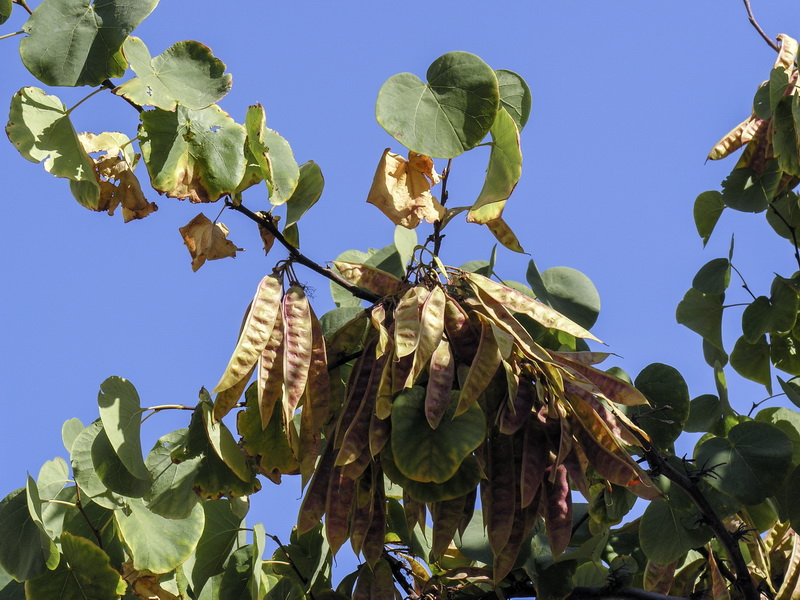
{"type": "Point", "coordinates": [518, 302]}
{"type": "Point", "coordinates": [377, 318]}
{"type": "Point", "coordinates": [487, 361]}
{"type": "Point", "coordinates": [440, 384]}
{"type": "Point", "coordinates": [341, 492]}
{"type": "Point", "coordinates": [498, 492]}
{"type": "Point", "coordinates": [313, 505]}
{"type": "Point", "coordinates": [446, 516]}
{"type": "Point", "coordinates": [463, 337]}
{"type": "Point", "coordinates": [368, 277]}
{"type": "Point", "coordinates": [431, 330]}
{"type": "Point", "coordinates": [270, 372]}
{"type": "Point", "coordinates": [613, 388]}
{"type": "Point", "coordinates": [255, 333]}
{"type": "Point", "coordinates": [406, 322]}
{"type": "Point", "coordinates": [557, 500]}
{"type": "Point", "coordinates": [298, 343]}
{"type": "Point", "coordinates": [318, 387]}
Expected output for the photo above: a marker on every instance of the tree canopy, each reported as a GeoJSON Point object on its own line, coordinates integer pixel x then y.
{"type": "Point", "coordinates": [465, 432]}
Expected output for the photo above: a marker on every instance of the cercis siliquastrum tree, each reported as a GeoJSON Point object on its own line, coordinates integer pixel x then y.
{"type": "Point", "coordinates": [440, 418]}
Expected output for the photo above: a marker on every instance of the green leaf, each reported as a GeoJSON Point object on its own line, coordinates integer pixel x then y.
{"type": "Point", "coordinates": [158, 544]}
{"type": "Point", "coordinates": [77, 42]}
{"type": "Point", "coordinates": [433, 455]}
{"type": "Point", "coordinates": [752, 361]}
{"type": "Point", "coordinates": [778, 82]}
{"type": "Point", "coordinates": [747, 191]}
{"type": "Point", "coordinates": [702, 313]}
{"type": "Point", "coordinates": [787, 421]}
{"type": "Point", "coordinates": [405, 240]}
{"type": "Point", "coordinates": [238, 573]}
{"type": "Point", "coordinates": [784, 214]}
{"type": "Point", "coordinates": [464, 481]}
{"type": "Point", "coordinates": [223, 443]}
{"type": "Point", "coordinates": [785, 305]}
{"type": "Point", "coordinates": [784, 139]}
{"type": "Point", "coordinates": [41, 130]}
{"type": "Point", "coordinates": [84, 573]}
{"type": "Point", "coordinates": [761, 106]}
{"type": "Point", "coordinates": [121, 415]}
{"type": "Point", "coordinates": [387, 259]}
{"type": "Point", "coordinates": [274, 157]}
{"type": "Point", "coordinates": [784, 351]}
{"type": "Point", "coordinates": [757, 319]}
{"type": "Point", "coordinates": [25, 549]}
{"type": "Point", "coordinates": [713, 277]}
{"type": "Point", "coordinates": [666, 534]}
{"type": "Point", "coordinates": [668, 394]}
{"type": "Point", "coordinates": [186, 73]}
{"type": "Point", "coordinates": [572, 294]}
{"type": "Point", "coordinates": [50, 552]}
{"type": "Point", "coordinates": [220, 533]}
{"type": "Point", "coordinates": [10, 589]}
{"type": "Point", "coordinates": [503, 172]}
{"type": "Point", "coordinates": [792, 389]}
{"type": "Point", "coordinates": [474, 543]}
{"type": "Point", "coordinates": [481, 267]}
{"type": "Point", "coordinates": [707, 209]}
{"type": "Point", "coordinates": [751, 463]}
{"type": "Point", "coordinates": [83, 468]}
{"type": "Point", "coordinates": [268, 445]}
{"type": "Point", "coordinates": [305, 195]}
{"type": "Point", "coordinates": [793, 497]}
{"type": "Point", "coordinates": [172, 493]}
{"type": "Point", "coordinates": [5, 10]}
{"type": "Point", "coordinates": [52, 478]}
{"type": "Point", "coordinates": [69, 431]}
{"type": "Point", "coordinates": [193, 154]}
{"type": "Point", "coordinates": [449, 115]}
{"type": "Point", "coordinates": [706, 413]}
{"type": "Point", "coordinates": [337, 318]}
{"type": "Point", "coordinates": [515, 96]}
{"type": "Point", "coordinates": [112, 472]}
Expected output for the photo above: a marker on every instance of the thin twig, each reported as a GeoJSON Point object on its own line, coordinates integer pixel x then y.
{"type": "Point", "coordinates": [760, 402]}
{"type": "Point", "coordinates": [397, 568]}
{"type": "Point", "coordinates": [437, 226]}
{"type": "Point", "coordinates": [296, 256]}
{"type": "Point", "coordinates": [94, 529]}
{"type": "Point", "coordinates": [8, 35]}
{"type": "Point", "coordinates": [84, 99]}
{"type": "Point", "coordinates": [24, 5]}
{"type": "Point", "coordinates": [285, 551]}
{"type": "Point", "coordinates": [792, 231]}
{"type": "Point", "coordinates": [343, 360]}
{"type": "Point", "coordinates": [744, 283]}
{"type": "Point", "coordinates": [772, 43]}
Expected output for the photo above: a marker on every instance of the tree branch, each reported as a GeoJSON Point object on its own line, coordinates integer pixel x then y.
{"type": "Point", "coordinates": [437, 226]}
{"type": "Point", "coordinates": [296, 256]}
{"type": "Point", "coordinates": [743, 580]}
{"type": "Point", "coordinates": [108, 84]}
{"type": "Point", "coordinates": [397, 567]}
{"type": "Point", "coordinates": [772, 43]}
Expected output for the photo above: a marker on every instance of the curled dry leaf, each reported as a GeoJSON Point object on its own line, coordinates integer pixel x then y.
{"type": "Point", "coordinates": [113, 169]}
{"type": "Point", "coordinates": [207, 241]}
{"type": "Point", "coordinates": [401, 189]}
{"type": "Point", "coordinates": [267, 237]}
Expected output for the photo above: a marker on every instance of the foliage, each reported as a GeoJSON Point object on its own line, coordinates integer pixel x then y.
{"type": "Point", "coordinates": [439, 418]}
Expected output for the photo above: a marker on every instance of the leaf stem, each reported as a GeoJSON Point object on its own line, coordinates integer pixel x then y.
{"type": "Point", "coordinates": [744, 283]}
{"type": "Point", "coordinates": [79, 504]}
{"type": "Point", "coordinates": [84, 99]}
{"type": "Point", "coordinates": [169, 407]}
{"type": "Point", "coordinates": [296, 256]}
{"type": "Point", "coordinates": [8, 35]}
{"type": "Point", "coordinates": [285, 551]}
{"type": "Point", "coordinates": [760, 402]}
{"type": "Point", "coordinates": [24, 5]}
{"type": "Point", "coordinates": [754, 23]}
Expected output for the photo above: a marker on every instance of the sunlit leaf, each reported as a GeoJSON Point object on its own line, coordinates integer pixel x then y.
{"type": "Point", "coordinates": [121, 415]}
{"type": "Point", "coordinates": [503, 172]}
{"type": "Point", "coordinates": [707, 209]}
{"type": "Point", "coordinates": [305, 195]}
{"type": "Point", "coordinates": [171, 494]}
{"type": "Point", "coordinates": [751, 463]}
{"type": "Point", "coordinates": [515, 96]}
{"type": "Point", "coordinates": [446, 116]}
{"type": "Point", "coordinates": [77, 42]}
{"type": "Point", "coordinates": [41, 130]}
{"type": "Point", "coordinates": [186, 73]}
{"type": "Point", "coordinates": [194, 154]}
{"type": "Point", "coordinates": [176, 539]}
{"type": "Point", "coordinates": [274, 157]}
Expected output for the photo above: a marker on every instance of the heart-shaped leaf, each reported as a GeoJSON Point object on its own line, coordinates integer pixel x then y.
{"type": "Point", "coordinates": [515, 96]}
{"type": "Point", "coordinates": [121, 415]}
{"type": "Point", "coordinates": [446, 116]}
{"type": "Point", "coordinates": [77, 42]}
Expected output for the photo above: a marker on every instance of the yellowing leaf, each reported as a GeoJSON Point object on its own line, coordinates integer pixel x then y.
{"type": "Point", "coordinates": [207, 241]}
{"type": "Point", "coordinates": [787, 54]}
{"type": "Point", "coordinates": [501, 230]}
{"type": "Point", "coordinates": [114, 172]}
{"type": "Point", "coordinates": [401, 189]}
{"type": "Point", "coordinates": [267, 237]}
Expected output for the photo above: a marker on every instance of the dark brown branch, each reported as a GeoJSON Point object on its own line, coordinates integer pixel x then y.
{"type": "Point", "coordinates": [343, 360]}
{"type": "Point", "coordinates": [437, 226]}
{"type": "Point", "coordinates": [94, 529]}
{"type": "Point", "coordinates": [24, 5]}
{"type": "Point", "coordinates": [397, 567]}
{"type": "Point", "coordinates": [743, 580]}
{"type": "Point", "coordinates": [296, 256]}
{"type": "Point", "coordinates": [112, 86]}
{"type": "Point", "coordinates": [772, 43]}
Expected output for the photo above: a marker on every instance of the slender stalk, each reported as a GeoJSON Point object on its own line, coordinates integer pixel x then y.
{"type": "Point", "coordinates": [79, 504]}
{"type": "Point", "coordinates": [285, 551]}
{"type": "Point", "coordinates": [24, 5]}
{"type": "Point", "coordinates": [84, 99]}
{"type": "Point", "coordinates": [169, 407]}
{"type": "Point", "coordinates": [792, 231]}
{"type": "Point", "coordinates": [744, 283]}
{"type": "Point", "coordinates": [437, 226]}
{"type": "Point", "coordinates": [8, 35]}
{"type": "Point", "coordinates": [296, 256]}
{"type": "Point", "coordinates": [772, 43]}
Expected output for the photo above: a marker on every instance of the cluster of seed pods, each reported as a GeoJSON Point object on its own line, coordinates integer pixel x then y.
{"type": "Point", "coordinates": [448, 397]}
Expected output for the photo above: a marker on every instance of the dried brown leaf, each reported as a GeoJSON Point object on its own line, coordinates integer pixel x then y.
{"type": "Point", "coordinates": [401, 189]}
{"type": "Point", "coordinates": [207, 241]}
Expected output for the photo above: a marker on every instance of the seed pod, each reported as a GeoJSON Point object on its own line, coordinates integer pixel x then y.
{"type": "Point", "coordinates": [463, 337]}
{"type": "Point", "coordinates": [226, 399]}
{"type": "Point", "coordinates": [373, 542]}
{"type": "Point", "coordinates": [557, 500]}
{"type": "Point", "coordinates": [383, 404]}
{"type": "Point", "coordinates": [430, 331]}
{"type": "Point", "coordinates": [379, 433]}
{"type": "Point", "coordinates": [469, 511]}
{"type": "Point", "coordinates": [361, 518]}
{"type": "Point", "coordinates": [406, 322]}
{"type": "Point", "coordinates": [318, 387]}
{"type": "Point", "coordinates": [514, 414]}
{"type": "Point", "coordinates": [613, 388]}
{"type": "Point", "coordinates": [498, 491]}
{"type": "Point", "coordinates": [270, 372]}
{"type": "Point", "coordinates": [356, 438]}
{"type": "Point", "coordinates": [524, 520]}
{"type": "Point", "coordinates": [440, 384]}
{"type": "Point", "coordinates": [487, 361]}
{"type": "Point", "coordinates": [377, 317]}
{"type": "Point", "coordinates": [518, 302]}
{"type": "Point", "coordinates": [298, 343]}
{"type": "Point", "coordinates": [341, 491]}
{"type": "Point", "coordinates": [533, 463]}
{"type": "Point", "coordinates": [368, 277]}
{"type": "Point", "coordinates": [504, 234]}
{"type": "Point", "coordinates": [255, 332]}
{"type": "Point", "coordinates": [446, 515]}
{"type": "Point", "coordinates": [313, 505]}
{"type": "Point", "coordinates": [348, 338]}
{"type": "Point", "coordinates": [358, 384]}
{"type": "Point", "coordinates": [309, 440]}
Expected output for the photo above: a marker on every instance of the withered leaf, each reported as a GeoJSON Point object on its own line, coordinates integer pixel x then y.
{"type": "Point", "coordinates": [267, 237]}
{"type": "Point", "coordinates": [207, 241]}
{"type": "Point", "coordinates": [401, 189]}
{"type": "Point", "coordinates": [113, 169]}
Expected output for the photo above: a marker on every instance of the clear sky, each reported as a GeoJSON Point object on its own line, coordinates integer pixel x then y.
{"type": "Point", "coordinates": [628, 98]}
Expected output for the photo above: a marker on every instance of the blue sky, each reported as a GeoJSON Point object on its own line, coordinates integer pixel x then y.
{"type": "Point", "coordinates": [628, 98]}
